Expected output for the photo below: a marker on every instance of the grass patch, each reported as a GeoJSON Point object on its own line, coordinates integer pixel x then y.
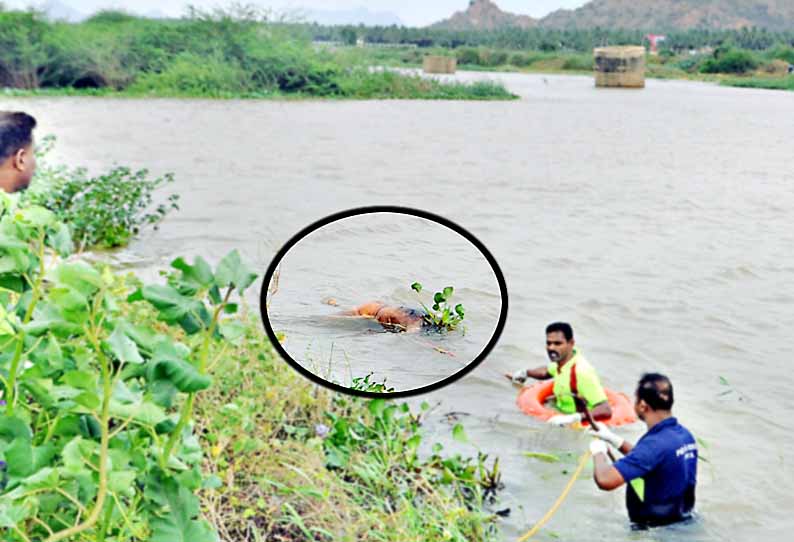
{"type": "Point", "coordinates": [771, 83]}
{"type": "Point", "coordinates": [292, 461]}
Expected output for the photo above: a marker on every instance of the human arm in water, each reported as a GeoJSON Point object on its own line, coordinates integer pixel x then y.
{"type": "Point", "coordinates": [606, 476]}
{"type": "Point", "coordinates": [538, 373]}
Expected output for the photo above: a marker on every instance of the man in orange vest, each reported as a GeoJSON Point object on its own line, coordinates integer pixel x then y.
{"type": "Point", "coordinates": [17, 158]}
{"type": "Point", "coordinates": [573, 376]}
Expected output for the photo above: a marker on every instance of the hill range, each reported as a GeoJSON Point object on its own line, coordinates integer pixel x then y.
{"type": "Point", "coordinates": [634, 14]}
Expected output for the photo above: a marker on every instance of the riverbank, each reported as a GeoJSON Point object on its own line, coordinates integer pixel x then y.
{"type": "Point", "coordinates": [728, 67]}
{"type": "Point", "coordinates": [289, 460]}
{"type": "Point", "coordinates": [218, 54]}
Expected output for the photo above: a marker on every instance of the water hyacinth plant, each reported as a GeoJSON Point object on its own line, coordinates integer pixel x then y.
{"type": "Point", "coordinates": [442, 315]}
{"type": "Point", "coordinates": [104, 211]}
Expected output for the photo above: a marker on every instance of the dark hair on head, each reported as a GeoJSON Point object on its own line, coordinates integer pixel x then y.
{"type": "Point", "coordinates": [656, 390]}
{"type": "Point", "coordinates": [16, 132]}
{"type": "Point", "coordinates": [566, 329]}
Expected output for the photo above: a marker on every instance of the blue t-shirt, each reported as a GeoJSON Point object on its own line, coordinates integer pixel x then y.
{"type": "Point", "coordinates": [661, 471]}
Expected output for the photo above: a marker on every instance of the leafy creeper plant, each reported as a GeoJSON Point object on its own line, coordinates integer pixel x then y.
{"type": "Point", "coordinates": [99, 385]}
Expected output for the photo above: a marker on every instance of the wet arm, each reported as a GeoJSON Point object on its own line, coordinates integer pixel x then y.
{"type": "Point", "coordinates": [539, 373]}
{"type": "Point", "coordinates": [601, 411]}
{"type": "Point", "coordinates": [605, 475]}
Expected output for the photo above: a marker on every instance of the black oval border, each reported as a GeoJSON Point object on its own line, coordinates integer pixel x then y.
{"type": "Point", "coordinates": [500, 279]}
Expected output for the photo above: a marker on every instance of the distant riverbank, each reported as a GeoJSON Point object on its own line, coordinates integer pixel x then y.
{"type": "Point", "coordinates": [218, 54]}
{"type": "Point", "coordinates": [727, 66]}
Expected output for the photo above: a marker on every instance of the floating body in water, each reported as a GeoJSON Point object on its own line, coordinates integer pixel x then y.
{"type": "Point", "coordinates": [389, 316]}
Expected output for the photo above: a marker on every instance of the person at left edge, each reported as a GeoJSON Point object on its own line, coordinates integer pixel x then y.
{"type": "Point", "coordinates": [17, 158]}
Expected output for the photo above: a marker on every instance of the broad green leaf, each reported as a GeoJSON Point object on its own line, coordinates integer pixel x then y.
{"type": "Point", "coordinates": [16, 261]}
{"type": "Point", "coordinates": [376, 407]}
{"type": "Point", "coordinates": [19, 458]}
{"type": "Point", "coordinates": [36, 216]}
{"type": "Point", "coordinates": [143, 336]}
{"type": "Point", "coordinates": [45, 477]}
{"type": "Point", "coordinates": [13, 514]}
{"type": "Point", "coordinates": [15, 283]}
{"type": "Point", "coordinates": [81, 379]}
{"type": "Point", "coordinates": [14, 428]}
{"type": "Point", "coordinates": [162, 393]}
{"type": "Point", "coordinates": [232, 331]}
{"type": "Point", "coordinates": [89, 427]}
{"type": "Point", "coordinates": [123, 347]}
{"type": "Point", "coordinates": [41, 389]}
{"type": "Point", "coordinates": [61, 240]}
{"type": "Point", "coordinates": [68, 299]}
{"type": "Point", "coordinates": [184, 376]}
{"type": "Point", "coordinates": [181, 522]}
{"type": "Point", "coordinates": [120, 481]}
{"type": "Point", "coordinates": [416, 286]}
{"type": "Point", "coordinates": [172, 305]}
{"type": "Point", "coordinates": [194, 277]}
{"type": "Point", "coordinates": [73, 454]}
{"type": "Point", "coordinates": [124, 395]}
{"type": "Point", "coordinates": [448, 292]}
{"type": "Point", "coordinates": [8, 242]}
{"type": "Point", "coordinates": [232, 271]}
{"type": "Point", "coordinates": [144, 412]}
{"type": "Point", "coordinates": [6, 327]}
{"type": "Point", "coordinates": [459, 434]}
{"type": "Point", "coordinates": [79, 275]}
{"type": "Point", "coordinates": [48, 317]}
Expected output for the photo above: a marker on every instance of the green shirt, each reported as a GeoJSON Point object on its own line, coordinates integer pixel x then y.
{"type": "Point", "coordinates": [587, 383]}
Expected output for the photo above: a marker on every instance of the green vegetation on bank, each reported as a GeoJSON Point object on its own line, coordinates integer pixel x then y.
{"type": "Point", "coordinates": [546, 40]}
{"type": "Point", "coordinates": [233, 53]}
{"type": "Point", "coordinates": [294, 461]}
{"type": "Point", "coordinates": [103, 211]}
{"type": "Point", "coordinates": [160, 412]}
{"type": "Point", "coordinates": [728, 65]}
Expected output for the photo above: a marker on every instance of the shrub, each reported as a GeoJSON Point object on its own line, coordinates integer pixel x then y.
{"type": "Point", "coordinates": [492, 58]}
{"type": "Point", "coordinates": [468, 55]}
{"type": "Point", "coordinates": [730, 61]}
{"type": "Point", "coordinates": [782, 52]}
{"type": "Point", "coordinates": [578, 62]}
{"type": "Point", "coordinates": [105, 211]}
{"type": "Point", "coordinates": [193, 75]}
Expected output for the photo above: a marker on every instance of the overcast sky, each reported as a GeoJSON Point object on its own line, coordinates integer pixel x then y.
{"type": "Point", "coordinates": [411, 12]}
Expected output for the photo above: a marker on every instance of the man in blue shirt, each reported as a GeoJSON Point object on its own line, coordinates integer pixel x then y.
{"type": "Point", "coordinates": [661, 469]}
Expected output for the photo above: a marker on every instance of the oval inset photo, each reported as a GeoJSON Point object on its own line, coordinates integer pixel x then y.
{"type": "Point", "coordinates": [384, 301]}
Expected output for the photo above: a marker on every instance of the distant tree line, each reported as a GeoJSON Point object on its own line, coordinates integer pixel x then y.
{"type": "Point", "coordinates": [548, 40]}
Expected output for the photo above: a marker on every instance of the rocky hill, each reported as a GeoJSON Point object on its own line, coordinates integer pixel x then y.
{"type": "Point", "coordinates": [641, 14]}
{"type": "Point", "coordinates": [484, 15]}
{"type": "Point", "coordinates": [676, 14]}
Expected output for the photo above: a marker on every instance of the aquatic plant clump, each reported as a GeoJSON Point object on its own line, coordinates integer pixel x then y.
{"type": "Point", "coordinates": [442, 314]}
{"type": "Point", "coordinates": [104, 211]}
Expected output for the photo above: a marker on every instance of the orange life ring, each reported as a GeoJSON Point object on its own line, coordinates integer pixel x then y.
{"type": "Point", "coordinates": [531, 401]}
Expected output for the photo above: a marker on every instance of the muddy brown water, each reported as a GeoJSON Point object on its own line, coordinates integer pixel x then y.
{"type": "Point", "coordinates": [657, 221]}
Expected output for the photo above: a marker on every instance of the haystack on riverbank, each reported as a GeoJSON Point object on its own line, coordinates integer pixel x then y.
{"type": "Point", "coordinates": [621, 66]}
{"type": "Point", "coordinates": [439, 64]}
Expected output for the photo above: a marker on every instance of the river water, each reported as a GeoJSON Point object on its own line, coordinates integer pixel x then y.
{"type": "Point", "coordinates": [656, 221]}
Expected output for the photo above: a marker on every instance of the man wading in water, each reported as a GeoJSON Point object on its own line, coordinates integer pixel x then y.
{"type": "Point", "coordinates": [661, 469]}
{"type": "Point", "coordinates": [17, 159]}
{"type": "Point", "coordinates": [572, 375]}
